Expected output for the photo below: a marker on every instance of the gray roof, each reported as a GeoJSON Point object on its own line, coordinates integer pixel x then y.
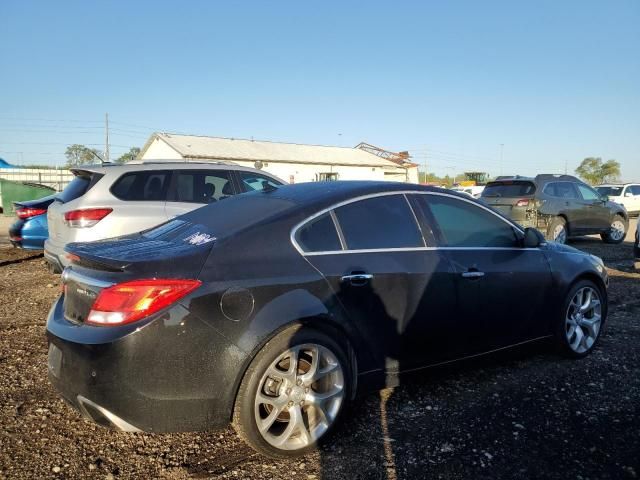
{"type": "Point", "coordinates": [201, 147]}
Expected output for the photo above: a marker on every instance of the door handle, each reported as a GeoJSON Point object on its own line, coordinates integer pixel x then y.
{"type": "Point", "coordinates": [357, 279]}
{"type": "Point", "coordinates": [474, 274]}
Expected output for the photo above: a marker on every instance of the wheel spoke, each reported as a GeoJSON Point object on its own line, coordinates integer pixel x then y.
{"type": "Point", "coordinates": [586, 301]}
{"type": "Point", "coordinates": [309, 375]}
{"type": "Point", "coordinates": [320, 398]}
{"type": "Point", "coordinates": [577, 342]}
{"type": "Point", "coordinates": [592, 325]}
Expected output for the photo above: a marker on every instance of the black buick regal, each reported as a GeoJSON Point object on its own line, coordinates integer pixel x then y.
{"type": "Point", "coordinates": [269, 310]}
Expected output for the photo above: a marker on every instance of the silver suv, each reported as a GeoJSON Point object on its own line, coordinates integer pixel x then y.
{"type": "Point", "coordinates": [107, 201]}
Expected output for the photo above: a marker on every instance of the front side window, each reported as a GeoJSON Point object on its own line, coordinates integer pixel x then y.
{"type": "Point", "coordinates": [319, 235]}
{"type": "Point", "coordinates": [462, 224]}
{"type": "Point", "coordinates": [254, 181]}
{"type": "Point", "coordinates": [635, 189]}
{"type": "Point", "coordinates": [147, 186]}
{"type": "Point", "coordinates": [587, 192]}
{"type": "Point", "coordinates": [203, 186]}
{"type": "Point", "coordinates": [379, 222]}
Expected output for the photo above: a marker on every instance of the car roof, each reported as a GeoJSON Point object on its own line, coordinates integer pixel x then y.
{"type": "Point", "coordinates": [337, 191]}
{"type": "Point", "coordinates": [164, 165]}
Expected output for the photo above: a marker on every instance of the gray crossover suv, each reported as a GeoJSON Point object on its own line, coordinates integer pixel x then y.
{"type": "Point", "coordinates": [560, 206]}
{"type": "Point", "coordinates": [106, 201]}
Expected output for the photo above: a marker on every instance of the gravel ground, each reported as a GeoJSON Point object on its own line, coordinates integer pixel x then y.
{"type": "Point", "coordinates": [523, 414]}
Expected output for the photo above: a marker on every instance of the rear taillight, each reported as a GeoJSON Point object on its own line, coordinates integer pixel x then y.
{"type": "Point", "coordinates": [130, 301]}
{"type": "Point", "coordinates": [524, 202]}
{"type": "Point", "coordinates": [29, 212]}
{"type": "Point", "coordinates": [87, 217]}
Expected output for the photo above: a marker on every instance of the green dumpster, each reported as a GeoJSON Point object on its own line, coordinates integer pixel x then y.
{"type": "Point", "coordinates": [11, 191]}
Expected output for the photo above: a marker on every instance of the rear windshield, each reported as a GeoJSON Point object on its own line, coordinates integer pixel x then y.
{"type": "Point", "coordinates": [610, 191]}
{"type": "Point", "coordinates": [80, 185]}
{"type": "Point", "coordinates": [516, 188]}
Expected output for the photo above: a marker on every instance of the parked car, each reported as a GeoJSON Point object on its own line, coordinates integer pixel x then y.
{"type": "Point", "coordinates": [473, 191]}
{"type": "Point", "coordinates": [561, 206]}
{"type": "Point", "coordinates": [270, 309]}
{"type": "Point", "coordinates": [30, 230]}
{"type": "Point", "coordinates": [627, 194]}
{"type": "Point", "coordinates": [636, 246]}
{"type": "Point", "coordinates": [107, 201]}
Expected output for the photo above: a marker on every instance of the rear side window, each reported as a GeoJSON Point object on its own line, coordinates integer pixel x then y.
{"type": "Point", "coordinates": [463, 224]}
{"type": "Point", "coordinates": [80, 185]}
{"type": "Point", "coordinates": [142, 186]}
{"type": "Point", "coordinates": [561, 190]}
{"type": "Point", "coordinates": [319, 235]}
{"type": "Point", "coordinates": [254, 181]}
{"type": "Point", "coordinates": [379, 222]}
{"type": "Point", "coordinates": [203, 186]}
{"type": "Point", "coordinates": [509, 189]}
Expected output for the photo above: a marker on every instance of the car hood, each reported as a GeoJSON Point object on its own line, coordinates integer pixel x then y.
{"type": "Point", "coordinates": [562, 248]}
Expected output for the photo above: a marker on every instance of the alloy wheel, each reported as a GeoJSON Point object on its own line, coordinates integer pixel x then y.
{"type": "Point", "coordinates": [299, 396]}
{"type": "Point", "coordinates": [617, 230]}
{"type": "Point", "coordinates": [560, 234]}
{"type": "Point", "coordinates": [583, 319]}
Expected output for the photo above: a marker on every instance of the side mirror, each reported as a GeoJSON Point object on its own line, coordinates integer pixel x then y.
{"type": "Point", "coordinates": [604, 198]}
{"type": "Point", "coordinates": [532, 238]}
{"type": "Point", "coordinates": [628, 194]}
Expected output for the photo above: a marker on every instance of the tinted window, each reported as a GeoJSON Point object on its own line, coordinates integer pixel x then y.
{"type": "Point", "coordinates": [509, 189]}
{"type": "Point", "coordinates": [379, 222]}
{"type": "Point", "coordinates": [80, 185]}
{"type": "Point", "coordinates": [561, 190]}
{"type": "Point", "coordinates": [142, 186]}
{"type": "Point", "coordinates": [587, 192]}
{"type": "Point", "coordinates": [319, 235]}
{"type": "Point", "coordinates": [610, 191]}
{"type": "Point", "coordinates": [463, 224]}
{"type": "Point", "coordinates": [203, 187]}
{"type": "Point", "coordinates": [635, 189]}
{"type": "Point", "coordinates": [254, 181]}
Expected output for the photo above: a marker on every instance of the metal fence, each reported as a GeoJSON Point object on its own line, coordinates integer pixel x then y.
{"type": "Point", "coordinates": [55, 178]}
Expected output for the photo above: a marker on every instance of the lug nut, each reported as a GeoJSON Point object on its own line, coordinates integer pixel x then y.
{"type": "Point", "coordinates": [306, 390]}
{"type": "Point", "coordinates": [299, 382]}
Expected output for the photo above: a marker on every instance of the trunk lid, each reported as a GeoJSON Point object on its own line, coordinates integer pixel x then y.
{"type": "Point", "coordinates": [512, 198]}
{"type": "Point", "coordinates": [176, 249]}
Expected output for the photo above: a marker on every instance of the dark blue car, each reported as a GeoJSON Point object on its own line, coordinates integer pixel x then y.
{"type": "Point", "coordinates": [31, 229]}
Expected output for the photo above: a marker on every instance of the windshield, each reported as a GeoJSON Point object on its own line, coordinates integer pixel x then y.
{"type": "Point", "coordinates": [509, 189]}
{"type": "Point", "coordinates": [609, 191]}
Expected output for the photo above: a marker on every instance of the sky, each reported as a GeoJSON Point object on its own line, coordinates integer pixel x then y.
{"type": "Point", "coordinates": [552, 82]}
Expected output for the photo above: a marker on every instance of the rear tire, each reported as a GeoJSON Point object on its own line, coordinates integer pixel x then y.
{"type": "Point", "coordinates": [284, 410]}
{"type": "Point", "coordinates": [617, 232]}
{"type": "Point", "coordinates": [581, 320]}
{"type": "Point", "coordinates": [558, 231]}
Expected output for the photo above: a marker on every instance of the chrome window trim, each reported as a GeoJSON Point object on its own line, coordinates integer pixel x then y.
{"type": "Point", "coordinates": [294, 230]}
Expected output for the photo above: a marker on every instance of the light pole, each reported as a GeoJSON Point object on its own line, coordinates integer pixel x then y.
{"type": "Point", "coordinates": [501, 151]}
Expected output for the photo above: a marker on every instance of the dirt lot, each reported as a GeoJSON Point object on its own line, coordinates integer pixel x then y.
{"type": "Point", "coordinates": [525, 414]}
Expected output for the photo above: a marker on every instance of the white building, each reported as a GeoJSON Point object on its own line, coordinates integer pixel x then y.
{"type": "Point", "coordinates": [292, 162]}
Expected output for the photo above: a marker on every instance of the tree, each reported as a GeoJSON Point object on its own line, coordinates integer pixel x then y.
{"type": "Point", "coordinates": [594, 171]}
{"type": "Point", "coordinates": [81, 155]}
{"type": "Point", "coordinates": [132, 154]}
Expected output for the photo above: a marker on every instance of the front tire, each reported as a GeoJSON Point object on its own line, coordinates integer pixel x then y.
{"type": "Point", "coordinates": [293, 393]}
{"type": "Point", "coordinates": [582, 318]}
{"type": "Point", "coordinates": [617, 232]}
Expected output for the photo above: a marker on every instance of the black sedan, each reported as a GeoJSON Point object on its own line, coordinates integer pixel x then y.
{"type": "Point", "coordinates": [269, 310]}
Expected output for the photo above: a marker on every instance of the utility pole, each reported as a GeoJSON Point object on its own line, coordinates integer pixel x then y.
{"type": "Point", "coordinates": [106, 137]}
{"type": "Point", "coordinates": [501, 151]}
{"type": "Point", "coordinates": [425, 168]}
{"type": "Point", "coordinates": [565, 167]}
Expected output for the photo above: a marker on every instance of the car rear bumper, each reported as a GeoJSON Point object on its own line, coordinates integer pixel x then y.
{"type": "Point", "coordinates": [54, 254]}
{"type": "Point", "coordinates": [172, 373]}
